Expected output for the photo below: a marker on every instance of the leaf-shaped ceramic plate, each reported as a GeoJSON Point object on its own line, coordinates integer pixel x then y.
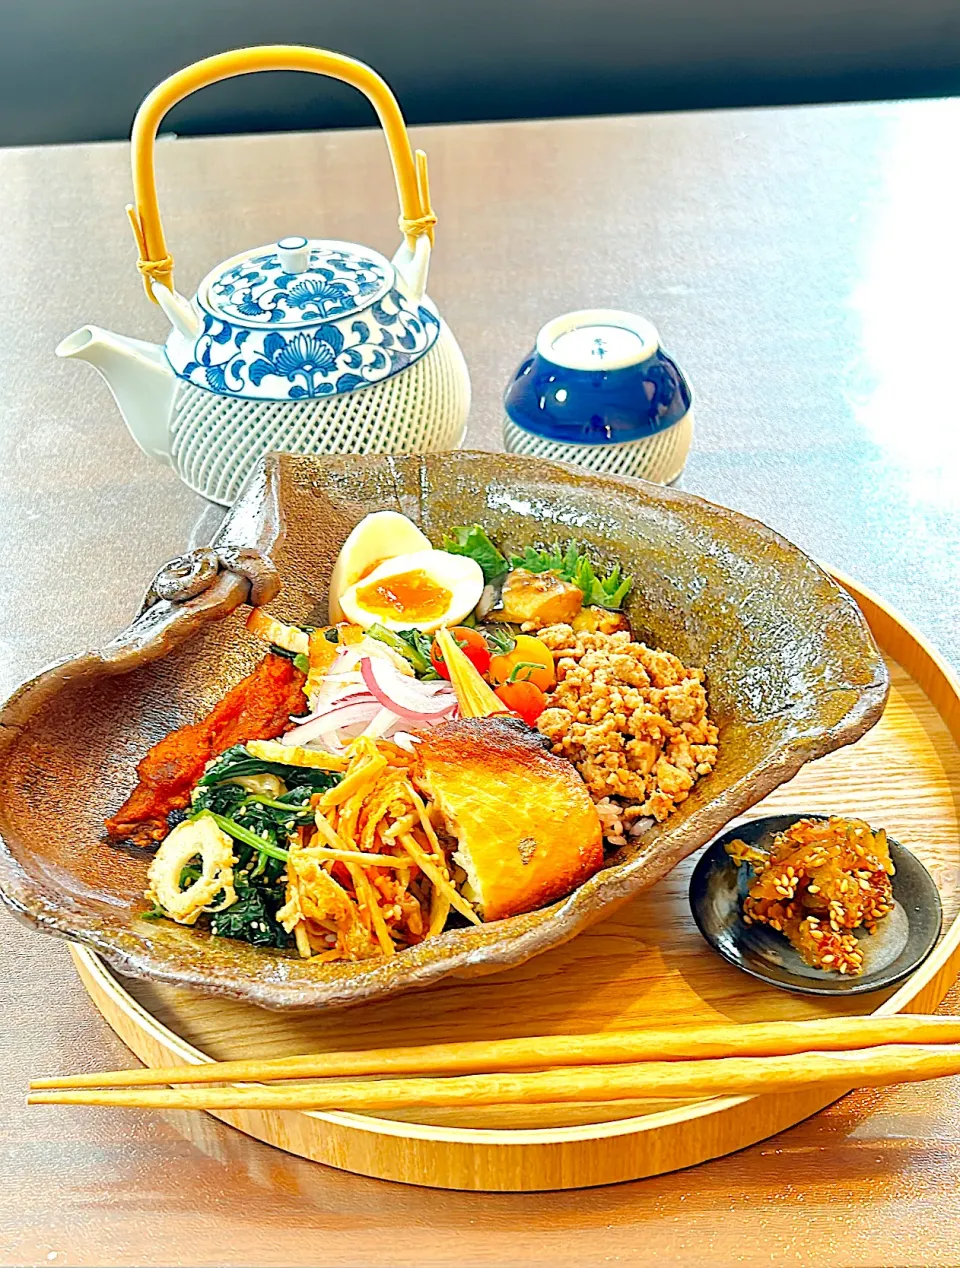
{"type": "Point", "coordinates": [792, 673]}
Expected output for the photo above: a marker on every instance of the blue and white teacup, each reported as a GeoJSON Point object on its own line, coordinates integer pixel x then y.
{"type": "Point", "coordinates": [599, 391]}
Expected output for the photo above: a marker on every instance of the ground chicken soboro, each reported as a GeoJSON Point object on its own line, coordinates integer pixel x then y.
{"type": "Point", "coordinates": [632, 719]}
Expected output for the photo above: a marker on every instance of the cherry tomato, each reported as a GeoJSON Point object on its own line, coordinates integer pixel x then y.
{"type": "Point", "coordinates": [524, 699]}
{"type": "Point", "coordinates": [530, 661]}
{"type": "Point", "coordinates": [474, 648]}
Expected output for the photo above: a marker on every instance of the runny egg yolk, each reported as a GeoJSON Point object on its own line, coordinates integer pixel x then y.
{"type": "Point", "coordinates": [414, 596]}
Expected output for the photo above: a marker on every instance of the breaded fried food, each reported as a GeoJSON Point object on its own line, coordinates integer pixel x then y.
{"type": "Point", "coordinates": [526, 828]}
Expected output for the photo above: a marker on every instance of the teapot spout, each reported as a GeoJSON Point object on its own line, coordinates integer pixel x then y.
{"type": "Point", "coordinates": [140, 378]}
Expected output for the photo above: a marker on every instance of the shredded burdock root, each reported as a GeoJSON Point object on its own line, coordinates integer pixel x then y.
{"type": "Point", "coordinates": [632, 719]}
{"type": "Point", "coordinates": [372, 877]}
{"type": "Point", "coordinates": [821, 879]}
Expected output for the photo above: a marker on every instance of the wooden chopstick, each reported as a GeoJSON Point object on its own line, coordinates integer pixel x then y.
{"type": "Point", "coordinates": [722, 1076]}
{"type": "Point", "coordinates": [753, 1039]}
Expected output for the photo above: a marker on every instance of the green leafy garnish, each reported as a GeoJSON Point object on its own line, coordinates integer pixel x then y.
{"type": "Point", "coordinates": [412, 645]}
{"type": "Point", "coordinates": [237, 762]}
{"type": "Point", "coordinates": [261, 828]}
{"type": "Point", "coordinates": [302, 662]}
{"type": "Point", "coordinates": [572, 566]}
{"type": "Point", "coordinates": [156, 912]}
{"type": "Point", "coordinates": [291, 808]}
{"type": "Point", "coordinates": [223, 799]}
{"type": "Point", "coordinates": [245, 835]}
{"type": "Point", "coordinates": [252, 918]}
{"type": "Point", "coordinates": [471, 540]}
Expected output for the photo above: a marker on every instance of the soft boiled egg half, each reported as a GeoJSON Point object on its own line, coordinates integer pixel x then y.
{"type": "Point", "coordinates": [378, 537]}
{"type": "Point", "coordinates": [422, 590]}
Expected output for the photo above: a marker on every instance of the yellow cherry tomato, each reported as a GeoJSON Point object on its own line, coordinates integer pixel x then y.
{"type": "Point", "coordinates": [529, 661]}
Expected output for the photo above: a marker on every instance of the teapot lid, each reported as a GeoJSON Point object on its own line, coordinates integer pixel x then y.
{"type": "Point", "coordinates": [300, 319]}
{"type": "Point", "coordinates": [295, 282]}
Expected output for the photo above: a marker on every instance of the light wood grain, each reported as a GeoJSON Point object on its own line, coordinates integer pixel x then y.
{"type": "Point", "coordinates": [645, 966]}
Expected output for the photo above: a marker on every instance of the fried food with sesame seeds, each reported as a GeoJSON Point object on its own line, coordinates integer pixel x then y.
{"type": "Point", "coordinates": [822, 879]}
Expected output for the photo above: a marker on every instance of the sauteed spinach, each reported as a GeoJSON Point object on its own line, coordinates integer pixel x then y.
{"type": "Point", "coordinates": [261, 827]}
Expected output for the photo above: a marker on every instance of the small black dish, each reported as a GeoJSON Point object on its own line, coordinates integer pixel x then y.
{"type": "Point", "coordinates": [903, 939]}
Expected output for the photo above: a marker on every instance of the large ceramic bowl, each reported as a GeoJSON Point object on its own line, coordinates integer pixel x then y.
{"type": "Point", "coordinates": [792, 673]}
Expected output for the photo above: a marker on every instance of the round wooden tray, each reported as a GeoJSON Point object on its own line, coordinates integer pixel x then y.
{"type": "Point", "coordinates": [645, 965]}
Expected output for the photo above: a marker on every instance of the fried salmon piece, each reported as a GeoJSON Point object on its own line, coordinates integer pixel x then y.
{"type": "Point", "coordinates": [257, 708]}
{"type": "Point", "coordinates": [526, 827]}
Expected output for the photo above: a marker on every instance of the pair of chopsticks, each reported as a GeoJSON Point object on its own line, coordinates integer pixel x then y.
{"type": "Point", "coordinates": [706, 1061]}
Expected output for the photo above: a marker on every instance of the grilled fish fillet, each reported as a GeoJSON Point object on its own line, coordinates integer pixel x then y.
{"type": "Point", "coordinates": [527, 829]}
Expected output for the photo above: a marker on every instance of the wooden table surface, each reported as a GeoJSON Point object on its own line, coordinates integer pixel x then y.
{"type": "Point", "coordinates": [802, 264]}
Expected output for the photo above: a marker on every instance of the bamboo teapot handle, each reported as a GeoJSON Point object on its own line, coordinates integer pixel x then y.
{"type": "Point", "coordinates": [409, 169]}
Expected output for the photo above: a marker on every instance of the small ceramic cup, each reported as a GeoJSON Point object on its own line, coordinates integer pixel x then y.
{"type": "Point", "coordinates": [599, 391]}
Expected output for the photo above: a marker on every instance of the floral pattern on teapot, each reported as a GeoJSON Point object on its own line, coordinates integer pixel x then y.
{"type": "Point", "coordinates": [259, 290]}
{"type": "Point", "coordinates": [287, 323]}
{"type": "Point", "coordinates": [319, 360]}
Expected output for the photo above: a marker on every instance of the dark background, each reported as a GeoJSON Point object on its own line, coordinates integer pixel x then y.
{"type": "Point", "coordinates": [75, 70]}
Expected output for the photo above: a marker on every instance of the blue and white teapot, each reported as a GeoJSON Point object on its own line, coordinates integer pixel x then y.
{"type": "Point", "coordinates": [302, 345]}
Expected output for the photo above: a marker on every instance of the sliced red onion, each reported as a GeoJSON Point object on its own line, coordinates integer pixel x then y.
{"type": "Point", "coordinates": [356, 695]}
{"type": "Point", "coordinates": [335, 719]}
{"type": "Point", "coordinates": [404, 740]}
{"type": "Point", "coordinates": [406, 696]}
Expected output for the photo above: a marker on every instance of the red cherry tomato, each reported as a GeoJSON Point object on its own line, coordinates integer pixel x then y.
{"type": "Point", "coordinates": [524, 699]}
{"type": "Point", "coordinates": [474, 647]}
